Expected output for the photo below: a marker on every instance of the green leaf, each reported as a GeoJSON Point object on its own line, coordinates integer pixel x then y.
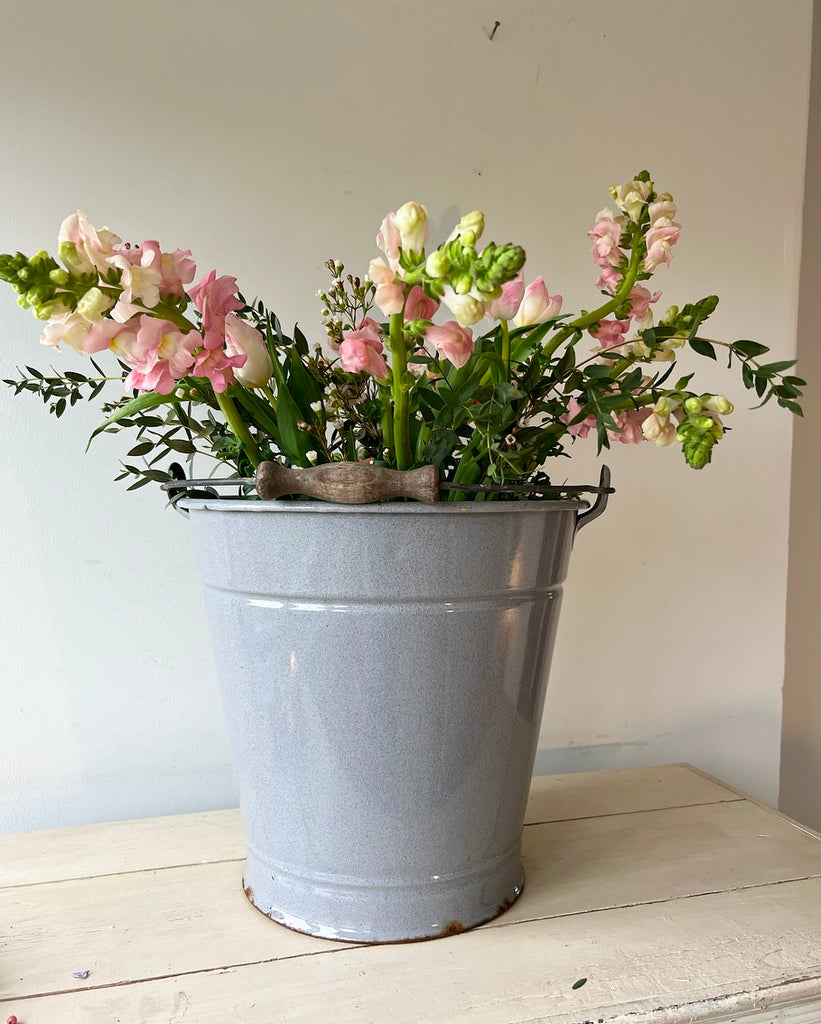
{"type": "Point", "coordinates": [143, 448]}
{"type": "Point", "coordinates": [760, 383]}
{"type": "Point", "coordinates": [182, 446]}
{"type": "Point", "coordinates": [774, 368]}
{"type": "Point", "coordinates": [747, 375]}
{"type": "Point", "coordinates": [147, 401]}
{"type": "Point", "coordinates": [750, 349]}
{"type": "Point", "coordinates": [579, 983]}
{"type": "Point", "coordinates": [295, 442]}
{"type": "Point", "coordinates": [704, 348]}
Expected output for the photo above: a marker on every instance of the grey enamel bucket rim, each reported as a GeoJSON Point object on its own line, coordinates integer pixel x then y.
{"type": "Point", "coordinates": [257, 506]}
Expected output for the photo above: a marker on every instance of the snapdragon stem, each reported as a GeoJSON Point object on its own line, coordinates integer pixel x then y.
{"type": "Point", "coordinates": [238, 426]}
{"type": "Point", "coordinates": [399, 392]}
{"type": "Point", "coordinates": [583, 322]}
{"type": "Point", "coordinates": [505, 348]}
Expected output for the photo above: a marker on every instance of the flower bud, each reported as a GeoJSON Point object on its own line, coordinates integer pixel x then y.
{"type": "Point", "coordinates": [461, 283]}
{"type": "Point", "coordinates": [669, 317]}
{"type": "Point", "coordinates": [412, 221]}
{"type": "Point", "coordinates": [437, 264]}
{"type": "Point", "coordinates": [719, 404]}
{"type": "Point", "coordinates": [693, 404]}
{"type": "Point", "coordinates": [76, 262]}
{"type": "Point", "coordinates": [469, 228]}
{"type": "Point", "coordinates": [93, 305]}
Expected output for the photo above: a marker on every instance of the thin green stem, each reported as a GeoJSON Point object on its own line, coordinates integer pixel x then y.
{"type": "Point", "coordinates": [583, 322]}
{"type": "Point", "coordinates": [239, 427]}
{"type": "Point", "coordinates": [505, 348]}
{"type": "Point", "coordinates": [399, 392]}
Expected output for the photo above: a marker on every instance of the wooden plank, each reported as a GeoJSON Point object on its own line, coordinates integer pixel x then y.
{"type": "Point", "coordinates": [53, 854]}
{"type": "Point", "coordinates": [80, 852]}
{"type": "Point", "coordinates": [575, 866]}
{"type": "Point", "coordinates": [146, 924]}
{"type": "Point", "coordinates": [586, 794]}
{"type": "Point", "coordinates": [688, 960]}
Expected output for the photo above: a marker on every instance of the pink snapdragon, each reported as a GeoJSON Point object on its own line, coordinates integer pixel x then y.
{"type": "Point", "coordinates": [663, 233]}
{"type": "Point", "coordinates": [390, 298]}
{"type": "Point", "coordinates": [629, 422]}
{"type": "Point", "coordinates": [140, 278]}
{"type": "Point", "coordinates": [215, 363]}
{"type": "Point", "coordinates": [361, 351]}
{"type": "Point", "coordinates": [389, 240]}
{"type": "Point", "coordinates": [160, 355]}
{"type": "Point", "coordinates": [507, 305]}
{"type": "Point", "coordinates": [583, 427]}
{"type": "Point", "coordinates": [67, 329]}
{"type": "Point", "coordinates": [537, 305]}
{"type": "Point", "coordinates": [660, 241]}
{"type": "Point", "coordinates": [215, 297]}
{"type": "Point", "coordinates": [452, 341]}
{"type": "Point", "coordinates": [640, 300]}
{"type": "Point", "coordinates": [114, 337]}
{"type": "Point", "coordinates": [419, 306]}
{"type": "Point", "coordinates": [83, 248]}
{"type": "Point", "coordinates": [610, 333]}
{"type": "Point", "coordinates": [606, 236]}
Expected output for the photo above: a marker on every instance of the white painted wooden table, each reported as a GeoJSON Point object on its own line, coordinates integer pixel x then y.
{"type": "Point", "coordinates": [676, 897]}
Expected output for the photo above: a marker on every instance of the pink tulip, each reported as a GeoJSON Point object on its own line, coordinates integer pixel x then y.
{"type": "Point", "coordinates": [506, 306]}
{"type": "Point", "coordinates": [451, 341]}
{"type": "Point", "coordinates": [243, 339]}
{"type": "Point", "coordinates": [537, 305]}
{"type": "Point", "coordinates": [419, 306]}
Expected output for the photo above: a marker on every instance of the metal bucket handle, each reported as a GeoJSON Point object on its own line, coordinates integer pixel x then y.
{"type": "Point", "coordinates": [361, 483]}
{"type": "Point", "coordinates": [605, 490]}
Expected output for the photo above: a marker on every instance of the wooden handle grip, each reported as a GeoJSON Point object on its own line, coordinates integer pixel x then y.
{"type": "Point", "coordinates": [348, 483]}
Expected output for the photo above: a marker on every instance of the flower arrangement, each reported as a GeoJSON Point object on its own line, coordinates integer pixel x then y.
{"type": "Point", "coordinates": [206, 373]}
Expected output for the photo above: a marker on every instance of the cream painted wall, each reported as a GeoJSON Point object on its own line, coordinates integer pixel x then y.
{"type": "Point", "coordinates": [800, 795]}
{"type": "Point", "coordinates": [269, 136]}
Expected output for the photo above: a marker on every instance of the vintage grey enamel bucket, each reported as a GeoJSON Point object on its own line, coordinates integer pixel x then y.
{"type": "Point", "coordinates": [383, 671]}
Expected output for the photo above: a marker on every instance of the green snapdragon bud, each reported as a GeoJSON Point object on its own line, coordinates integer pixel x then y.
{"type": "Point", "coordinates": [697, 436]}
{"type": "Point", "coordinates": [503, 262]}
{"type": "Point", "coordinates": [461, 283]}
{"type": "Point", "coordinates": [437, 264]}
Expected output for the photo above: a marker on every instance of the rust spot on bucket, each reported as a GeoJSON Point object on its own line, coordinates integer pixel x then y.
{"type": "Point", "coordinates": [249, 892]}
{"type": "Point", "coordinates": [451, 928]}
